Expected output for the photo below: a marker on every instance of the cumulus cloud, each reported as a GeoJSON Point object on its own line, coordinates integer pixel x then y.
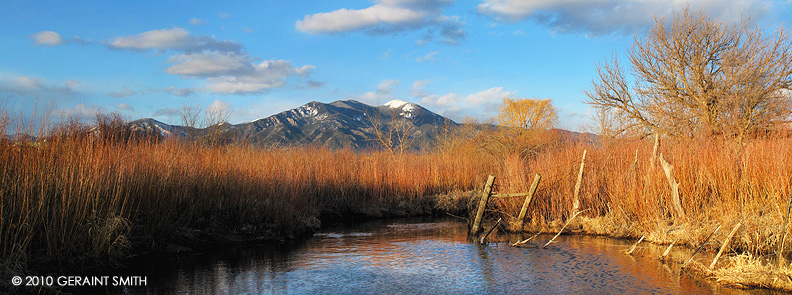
{"type": "Point", "coordinates": [209, 64]}
{"type": "Point", "coordinates": [47, 38]}
{"type": "Point", "coordinates": [125, 107]}
{"type": "Point", "coordinates": [428, 57]}
{"type": "Point", "coordinates": [122, 93]}
{"type": "Point", "coordinates": [619, 16]}
{"type": "Point", "coordinates": [384, 92]}
{"type": "Point", "coordinates": [387, 17]}
{"type": "Point", "coordinates": [173, 39]}
{"type": "Point", "coordinates": [221, 14]}
{"type": "Point", "coordinates": [169, 90]}
{"type": "Point", "coordinates": [218, 107]}
{"type": "Point", "coordinates": [263, 76]}
{"type": "Point", "coordinates": [483, 103]}
{"type": "Point", "coordinates": [419, 88]}
{"type": "Point", "coordinates": [304, 70]}
{"type": "Point", "coordinates": [224, 65]}
{"type": "Point", "coordinates": [197, 21]}
{"type": "Point", "coordinates": [167, 112]}
{"type": "Point", "coordinates": [27, 86]}
{"type": "Point", "coordinates": [80, 111]}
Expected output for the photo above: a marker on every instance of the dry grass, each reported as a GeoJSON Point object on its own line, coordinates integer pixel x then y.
{"type": "Point", "coordinates": [97, 197]}
{"type": "Point", "coordinates": [721, 184]}
{"type": "Point", "coordinates": [747, 271]}
{"type": "Point", "coordinates": [77, 198]}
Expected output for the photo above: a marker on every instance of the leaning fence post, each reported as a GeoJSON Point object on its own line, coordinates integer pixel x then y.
{"type": "Point", "coordinates": [482, 204]}
{"type": "Point", "coordinates": [725, 245]}
{"type": "Point", "coordinates": [528, 199]}
{"type": "Point", "coordinates": [576, 199]}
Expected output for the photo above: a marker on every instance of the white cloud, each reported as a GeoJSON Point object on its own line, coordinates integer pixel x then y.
{"type": "Point", "coordinates": [47, 38]}
{"type": "Point", "coordinates": [419, 88]}
{"type": "Point", "coordinates": [120, 94]}
{"type": "Point", "coordinates": [221, 14]}
{"type": "Point", "coordinates": [304, 70]}
{"type": "Point", "coordinates": [264, 76]}
{"type": "Point", "coordinates": [167, 112]}
{"type": "Point", "coordinates": [209, 64]}
{"type": "Point", "coordinates": [387, 17]}
{"type": "Point", "coordinates": [125, 107]}
{"type": "Point", "coordinates": [617, 16]}
{"type": "Point", "coordinates": [27, 87]}
{"type": "Point", "coordinates": [197, 21]}
{"type": "Point", "coordinates": [218, 107]}
{"type": "Point", "coordinates": [173, 39]}
{"type": "Point", "coordinates": [384, 92]}
{"type": "Point", "coordinates": [178, 91]}
{"type": "Point", "coordinates": [349, 20]}
{"type": "Point", "coordinates": [428, 57]}
{"type": "Point", "coordinates": [225, 66]}
{"type": "Point", "coordinates": [80, 111]}
{"type": "Point", "coordinates": [484, 103]}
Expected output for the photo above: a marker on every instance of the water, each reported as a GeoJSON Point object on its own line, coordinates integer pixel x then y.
{"type": "Point", "coordinates": [421, 257]}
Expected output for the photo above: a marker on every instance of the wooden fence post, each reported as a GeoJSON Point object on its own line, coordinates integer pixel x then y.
{"type": "Point", "coordinates": [527, 202]}
{"type": "Point", "coordinates": [654, 152]}
{"type": "Point", "coordinates": [725, 245]}
{"type": "Point", "coordinates": [576, 199]}
{"type": "Point", "coordinates": [482, 204]}
{"type": "Point", "coordinates": [667, 167]}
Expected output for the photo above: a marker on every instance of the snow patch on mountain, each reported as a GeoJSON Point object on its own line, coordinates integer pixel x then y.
{"type": "Point", "coordinates": [407, 108]}
{"type": "Point", "coordinates": [396, 103]}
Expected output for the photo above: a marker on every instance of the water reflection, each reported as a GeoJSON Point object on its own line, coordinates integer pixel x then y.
{"type": "Point", "coordinates": [419, 257]}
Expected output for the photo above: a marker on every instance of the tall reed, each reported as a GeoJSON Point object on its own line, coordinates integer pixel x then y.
{"type": "Point", "coordinates": [94, 195]}
{"type": "Point", "coordinates": [720, 183]}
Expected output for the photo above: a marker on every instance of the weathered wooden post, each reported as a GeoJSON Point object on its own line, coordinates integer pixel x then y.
{"type": "Point", "coordinates": [634, 246]}
{"type": "Point", "coordinates": [701, 246]}
{"type": "Point", "coordinates": [576, 199]}
{"type": "Point", "coordinates": [654, 152]}
{"type": "Point", "coordinates": [667, 167]}
{"type": "Point", "coordinates": [668, 250]}
{"type": "Point", "coordinates": [725, 245]}
{"type": "Point", "coordinates": [528, 199]}
{"type": "Point", "coordinates": [482, 204]}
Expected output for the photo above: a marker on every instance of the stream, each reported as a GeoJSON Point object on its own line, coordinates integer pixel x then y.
{"type": "Point", "coordinates": [421, 256]}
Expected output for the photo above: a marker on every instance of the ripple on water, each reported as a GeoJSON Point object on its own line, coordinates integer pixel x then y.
{"type": "Point", "coordinates": [406, 257]}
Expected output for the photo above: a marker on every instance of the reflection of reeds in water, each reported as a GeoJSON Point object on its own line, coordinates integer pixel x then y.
{"type": "Point", "coordinates": [79, 194]}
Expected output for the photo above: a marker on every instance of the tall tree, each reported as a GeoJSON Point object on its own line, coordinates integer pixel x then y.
{"type": "Point", "coordinates": [528, 114]}
{"type": "Point", "coordinates": [698, 76]}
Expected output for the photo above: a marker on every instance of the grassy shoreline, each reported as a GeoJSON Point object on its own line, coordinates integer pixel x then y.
{"type": "Point", "coordinates": [79, 200]}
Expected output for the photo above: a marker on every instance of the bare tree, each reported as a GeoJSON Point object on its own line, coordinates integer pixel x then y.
{"type": "Point", "coordinates": [189, 115]}
{"type": "Point", "coordinates": [215, 118]}
{"type": "Point", "coordinates": [699, 77]}
{"type": "Point", "coordinates": [395, 135]}
{"type": "Point", "coordinates": [206, 125]}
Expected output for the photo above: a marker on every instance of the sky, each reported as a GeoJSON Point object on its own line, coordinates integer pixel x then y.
{"type": "Point", "coordinates": [253, 59]}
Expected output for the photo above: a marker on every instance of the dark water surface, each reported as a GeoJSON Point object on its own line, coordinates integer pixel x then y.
{"type": "Point", "coordinates": [421, 256]}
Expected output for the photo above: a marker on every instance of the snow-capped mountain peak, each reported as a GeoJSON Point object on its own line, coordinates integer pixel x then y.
{"type": "Point", "coordinates": [406, 107]}
{"type": "Point", "coordinates": [396, 103]}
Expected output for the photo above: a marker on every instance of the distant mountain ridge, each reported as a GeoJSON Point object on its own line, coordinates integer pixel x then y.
{"type": "Point", "coordinates": [336, 125]}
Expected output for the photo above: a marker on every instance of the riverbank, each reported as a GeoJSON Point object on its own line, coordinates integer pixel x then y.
{"type": "Point", "coordinates": [79, 199]}
{"type": "Point", "coordinates": [626, 194]}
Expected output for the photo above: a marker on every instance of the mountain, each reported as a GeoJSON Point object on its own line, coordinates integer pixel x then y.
{"type": "Point", "coordinates": [340, 124]}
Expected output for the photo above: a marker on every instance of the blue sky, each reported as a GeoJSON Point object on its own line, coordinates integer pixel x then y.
{"type": "Point", "coordinates": [257, 58]}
